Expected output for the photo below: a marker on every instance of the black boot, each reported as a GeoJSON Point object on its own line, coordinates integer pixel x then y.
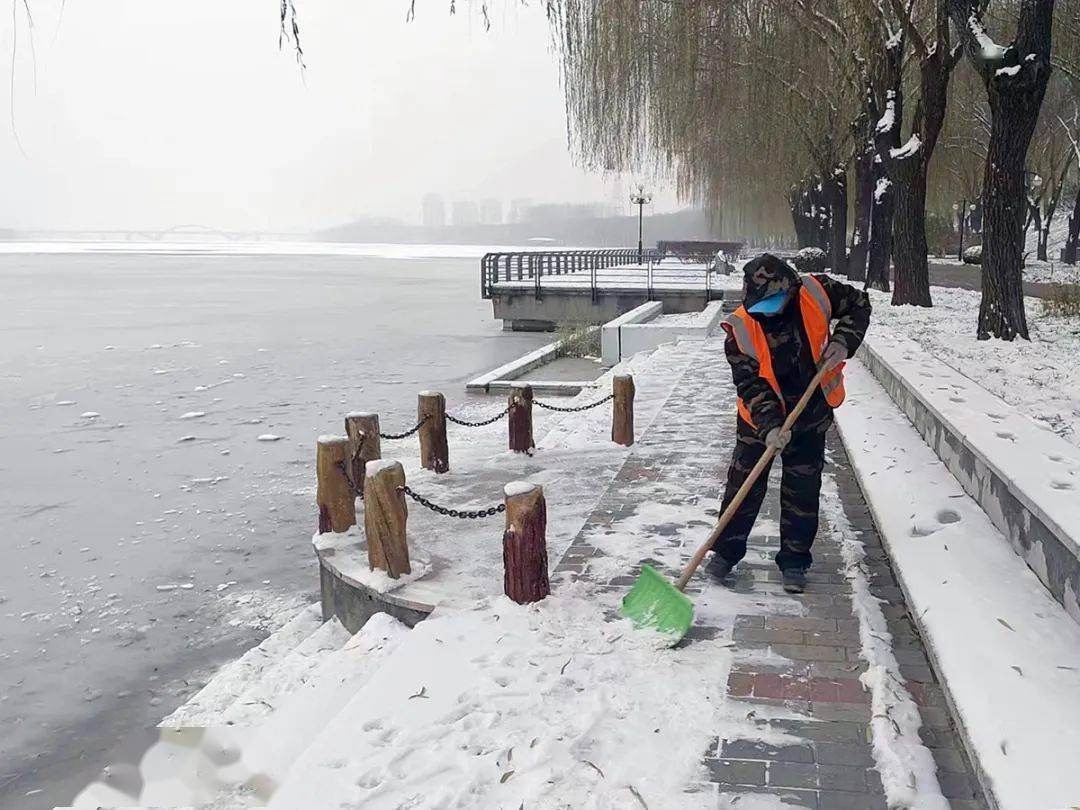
{"type": "Point", "coordinates": [794, 580]}
{"type": "Point", "coordinates": [718, 568]}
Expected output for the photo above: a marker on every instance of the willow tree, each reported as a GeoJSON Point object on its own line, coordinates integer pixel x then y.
{"type": "Point", "coordinates": [739, 100]}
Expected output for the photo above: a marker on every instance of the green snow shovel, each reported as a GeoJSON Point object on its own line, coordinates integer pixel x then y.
{"type": "Point", "coordinates": [653, 601]}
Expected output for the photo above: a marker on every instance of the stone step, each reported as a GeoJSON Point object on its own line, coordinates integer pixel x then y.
{"type": "Point", "coordinates": [234, 678]}
{"type": "Point", "coordinates": [285, 676]}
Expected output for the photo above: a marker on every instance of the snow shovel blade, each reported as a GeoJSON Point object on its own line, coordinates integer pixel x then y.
{"type": "Point", "coordinates": [655, 603]}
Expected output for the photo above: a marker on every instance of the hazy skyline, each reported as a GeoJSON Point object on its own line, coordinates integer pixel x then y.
{"type": "Point", "coordinates": [150, 114]}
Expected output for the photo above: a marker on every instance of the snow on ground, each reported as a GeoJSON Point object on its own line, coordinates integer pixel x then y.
{"type": "Point", "coordinates": [1009, 654]}
{"type": "Point", "coordinates": [1040, 376]}
{"type": "Point", "coordinates": [544, 705]}
{"type": "Point", "coordinates": [573, 461]}
{"type": "Point", "coordinates": [907, 768]}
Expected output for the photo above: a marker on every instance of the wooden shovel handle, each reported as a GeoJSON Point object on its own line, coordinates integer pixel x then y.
{"type": "Point", "coordinates": [748, 484]}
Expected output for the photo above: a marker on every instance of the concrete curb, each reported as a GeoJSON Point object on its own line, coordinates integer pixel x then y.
{"type": "Point", "coordinates": [1025, 517]}
{"type": "Point", "coordinates": [500, 379]}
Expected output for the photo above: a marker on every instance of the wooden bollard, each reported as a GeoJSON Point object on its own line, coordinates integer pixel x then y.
{"type": "Point", "coordinates": [525, 560]}
{"type": "Point", "coordinates": [364, 443]}
{"type": "Point", "coordinates": [520, 423]}
{"type": "Point", "coordinates": [334, 494]}
{"type": "Point", "coordinates": [622, 410]}
{"type": "Point", "coordinates": [385, 516]}
{"type": "Point", "coordinates": [431, 412]}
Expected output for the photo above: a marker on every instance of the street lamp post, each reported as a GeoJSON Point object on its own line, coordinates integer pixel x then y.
{"type": "Point", "coordinates": [640, 198]}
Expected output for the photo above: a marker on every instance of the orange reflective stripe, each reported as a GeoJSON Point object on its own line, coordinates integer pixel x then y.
{"type": "Point", "coordinates": [821, 298]}
{"type": "Point", "coordinates": [830, 384]}
{"type": "Point", "coordinates": [741, 332]}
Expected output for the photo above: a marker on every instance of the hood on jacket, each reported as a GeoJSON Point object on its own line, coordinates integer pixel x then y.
{"type": "Point", "coordinates": [767, 275]}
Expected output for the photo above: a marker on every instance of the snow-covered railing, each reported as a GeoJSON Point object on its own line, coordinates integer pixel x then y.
{"type": "Point", "coordinates": [535, 265]}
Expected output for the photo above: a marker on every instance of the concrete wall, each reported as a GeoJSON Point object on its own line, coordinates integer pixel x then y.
{"type": "Point", "coordinates": [640, 337]}
{"type": "Point", "coordinates": [525, 312]}
{"type": "Point", "coordinates": [1038, 520]}
{"type": "Point", "coordinates": [611, 334]}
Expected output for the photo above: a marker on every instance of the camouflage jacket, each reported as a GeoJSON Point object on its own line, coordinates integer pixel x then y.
{"type": "Point", "coordinates": [792, 360]}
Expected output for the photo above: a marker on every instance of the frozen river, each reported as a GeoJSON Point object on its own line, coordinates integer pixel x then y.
{"type": "Point", "coordinates": [157, 439]}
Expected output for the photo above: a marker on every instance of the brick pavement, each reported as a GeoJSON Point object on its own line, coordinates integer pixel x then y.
{"type": "Point", "coordinates": [796, 661]}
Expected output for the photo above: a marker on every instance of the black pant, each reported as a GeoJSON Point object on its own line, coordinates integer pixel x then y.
{"type": "Point", "coordinates": [800, 488]}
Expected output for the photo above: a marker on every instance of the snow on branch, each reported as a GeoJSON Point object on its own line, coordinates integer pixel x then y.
{"type": "Point", "coordinates": [888, 119]}
{"type": "Point", "coordinates": [908, 150]}
{"type": "Point", "coordinates": [989, 52]}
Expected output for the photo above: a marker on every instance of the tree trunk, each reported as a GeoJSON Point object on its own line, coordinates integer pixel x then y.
{"type": "Point", "coordinates": [838, 205]}
{"type": "Point", "coordinates": [881, 227]}
{"type": "Point", "coordinates": [821, 212]}
{"type": "Point", "coordinates": [912, 277]}
{"type": "Point", "coordinates": [801, 216]}
{"type": "Point", "coordinates": [1015, 79]}
{"type": "Point", "coordinates": [1044, 240]}
{"type": "Point", "coordinates": [1001, 311]}
{"type": "Point", "coordinates": [864, 200]}
{"type": "Point", "coordinates": [1072, 242]}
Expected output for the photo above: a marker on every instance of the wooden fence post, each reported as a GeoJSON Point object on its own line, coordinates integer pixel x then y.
{"type": "Point", "coordinates": [334, 494]}
{"type": "Point", "coordinates": [520, 425]}
{"type": "Point", "coordinates": [622, 410]}
{"type": "Point", "coordinates": [364, 443]}
{"type": "Point", "coordinates": [434, 452]}
{"type": "Point", "coordinates": [385, 517]}
{"type": "Point", "coordinates": [525, 560]}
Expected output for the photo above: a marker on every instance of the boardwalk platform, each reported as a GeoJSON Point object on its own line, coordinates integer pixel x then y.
{"type": "Point", "coordinates": [598, 295]}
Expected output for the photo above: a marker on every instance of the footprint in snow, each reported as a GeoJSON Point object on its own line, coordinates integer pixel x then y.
{"type": "Point", "coordinates": [1004, 434]}
{"type": "Point", "coordinates": [948, 516]}
{"type": "Point", "coordinates": [957, 399]}
{"type": "Point", "coordinates": [1062, 485]}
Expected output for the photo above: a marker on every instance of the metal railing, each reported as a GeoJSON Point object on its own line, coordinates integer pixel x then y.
{"type": "Point", "coordinates": [535, 265]}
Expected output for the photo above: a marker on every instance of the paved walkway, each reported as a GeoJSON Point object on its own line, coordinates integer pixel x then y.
{"type": "Point", "coordinates": [796, 660]}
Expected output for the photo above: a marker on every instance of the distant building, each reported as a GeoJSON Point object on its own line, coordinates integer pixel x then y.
{"type": "Point", "coordinates": [464, 213]}
{"type": "Point", "coordinates": [519, 209]}
{"type": "Point", "coordinates": [491, 212]}
{"type": "Point", "coordinates": [433, 213]}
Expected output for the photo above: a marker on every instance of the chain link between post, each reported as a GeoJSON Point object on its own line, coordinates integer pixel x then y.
{"type": "Point", "coordinates": [394, 436]}
{"type": "Point", "coordinates": [482, 423]}
{"type": "Point", "coordinates": [576, 409]}
{"type": "Point", "coordinates": [454, 513]}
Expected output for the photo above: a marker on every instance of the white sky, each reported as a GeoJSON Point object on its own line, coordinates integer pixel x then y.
{"type": "Point", "coordinates": [156, 113]}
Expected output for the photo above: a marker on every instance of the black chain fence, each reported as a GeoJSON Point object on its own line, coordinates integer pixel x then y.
{"type": "Point", "coordinates": [454, 513]}
{"type": "Point", "coordinates": [482, 423]}
{"type": "Point", "coordinates": [394, 436]}
{"type": "Point", "coordinates": [573, 409]}
{"type": "Point", "coordinates": [357, 491]}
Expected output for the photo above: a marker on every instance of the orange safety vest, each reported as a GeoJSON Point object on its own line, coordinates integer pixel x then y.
{"type": "Point", "coordinates": [816, 313]}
